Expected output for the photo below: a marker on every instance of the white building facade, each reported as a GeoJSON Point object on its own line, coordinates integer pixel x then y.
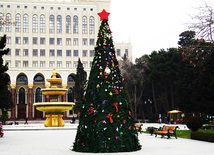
{"type": "Point", "coordinates": [43, 35]}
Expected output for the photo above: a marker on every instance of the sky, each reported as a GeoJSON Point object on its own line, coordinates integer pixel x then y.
{"type": "Point", "coordinates": [151, 24]}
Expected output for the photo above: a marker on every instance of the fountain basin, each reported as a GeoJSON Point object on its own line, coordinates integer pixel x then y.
{"type": "Point", "coordinates": [54, 112]}
{"type": "Point", "coordinates": [54, 106]}
{"type": "Point", "coordinates": [54, 91]}
{"type": "Point", "coordinates": [54, 80]}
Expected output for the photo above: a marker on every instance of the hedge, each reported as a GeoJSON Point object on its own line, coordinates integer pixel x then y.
{"type": "Point", "coordinates": [209, 137]}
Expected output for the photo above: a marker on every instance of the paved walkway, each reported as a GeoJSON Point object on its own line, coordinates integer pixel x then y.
{"type": "Point", "coordinates": [37, 141]}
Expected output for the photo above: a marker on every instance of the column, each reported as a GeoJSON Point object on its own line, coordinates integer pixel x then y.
{"type": "Point", "coordinates": [30, 97]}
{"type": "Point", "coordinates": [47, 98]}
{"type": "Point", "coordinates": [13, 92]}
{"type": "Point", "coordinates": [64, 100]}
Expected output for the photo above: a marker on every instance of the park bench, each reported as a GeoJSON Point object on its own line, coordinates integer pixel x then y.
{"type": "Point", "coordinates": [167, 130]}
{"type": "Point", "coordinates": [138, 127]}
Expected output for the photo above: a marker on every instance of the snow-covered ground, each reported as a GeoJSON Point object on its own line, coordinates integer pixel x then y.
{"type": "Point", "coordinates": [34, 139]}
{"type": "Point", "coordinates": [40, 126]}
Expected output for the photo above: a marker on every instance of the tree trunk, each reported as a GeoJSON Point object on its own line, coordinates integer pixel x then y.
{"type": "Point", "coordinates": [135, 102]}
{"type": "Point", "coordinates": [153, 93]}
{"type": "Point", "coordinates": [166, 96]}
{"type": "Point", "coordinates": [172, 98]}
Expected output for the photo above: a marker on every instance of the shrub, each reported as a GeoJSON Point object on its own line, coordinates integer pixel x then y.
{"type": "Point", "coordinates": [151, 129]}
{"type": "Point", "coordinates": [202, 136]}
{"type": "Point", "coordinates": [3, 118]}
{"type": "Point", "coordinates": [208, 126]}
{"type": "Point", "coordinates": [194, 123]}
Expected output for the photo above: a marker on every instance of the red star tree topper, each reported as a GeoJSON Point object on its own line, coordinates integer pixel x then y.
{"type": "Point", "coordinates": [103, 15]}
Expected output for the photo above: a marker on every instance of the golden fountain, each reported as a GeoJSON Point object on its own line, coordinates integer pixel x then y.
{"type": "Point", "coordinates": [54, 109]}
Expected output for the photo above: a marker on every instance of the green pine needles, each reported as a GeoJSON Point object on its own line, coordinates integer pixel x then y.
{"type": "Point", "coordinates": [106, 123]}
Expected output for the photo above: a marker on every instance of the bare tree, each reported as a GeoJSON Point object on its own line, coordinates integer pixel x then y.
{"type": "Point", "coordinates": [134, 82]}
{"type": "Point", "coordinates": [203, 23]}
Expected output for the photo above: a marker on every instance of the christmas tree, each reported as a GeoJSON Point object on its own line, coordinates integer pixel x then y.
{"type": "Point", "coordinates": [5, 95]}
{"type": "Point", "coordinates": [106, 123]}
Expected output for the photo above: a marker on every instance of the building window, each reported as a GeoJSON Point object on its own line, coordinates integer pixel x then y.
{"type": "Point", "coordinates": [8, 63]}
{"type": "Point", "coordinates": [85, 64]}
{"type": "Point", "coordinates": [75, 24]}
{"type": "Point", "coordinates": [25, 23]}
{"type": "Point", "coordinates": [51, 8]}
{"type": "Point", "coordinates": [84, 41]}
{"type": "Point", "coordinates": [18, 52]}
{"type": "Point", "coordinates": [42, 52]}
{"type": "Point", "coordinates": [59, 52]}
{"type": "Point", "coordinates": [25, 63]}
{"type": "Point", "coordinates": [75, 42]}
{"type": "Point", "coordinates": [35, 40]}
{"type": "Point", "coordinates": [68, 41]}
{"type": "Point", "coordinates": [8, 22]}
{"type": "Point", "coordinates": [8, 40]}
{"type": "Point", "coordinates": [68, 64]}
{"type": "Point", "coordinates": [70, 79]}
{"type": "Point", "coordinates": [126, 52]}
{"type": "Point", "coordinates": [91, 41]}
{"type": "Point", "coordinates": [75, 9]}
{"type": "Point", "coordinates": [118, 52]}
{"type": "Point", "coordinates": [1, 19]}
{"type": "Point", "coordinates": [59, 8]}
{"type": "Point", "coordinates": [51, 24]}
{"type": "Point", "coordinates": [18, 23]}
{"type": "Point", "coordinates": [75, 53]}
{"type": "Point", "coordinates": [92, 9]}
{"type": "Point", "coordinates": [51, 41]}
{"type": "Point", "coordinates": [91, 25]}
{"type": "Point", "coordinates": [22, 78]}
{"type": "Point", "coordinates": [91, 53]}
{"type": "Point", "coordinates": [35, 52]}
{"type": "Point", "coordinates": [84, 53]}
{"type": "Point", "coordinates": [25, 52]}
{"type": "Point", "coordinates": [84, 25]}
{"type": "Point", "coordinates": [42, 23]}
{"type": "Point", "coordinates": [68, 9]}
{"type": "Point", "coordinates": [91, 63]}
{"type": "Point", "coordinates": [42, 8]}
{"type": "Point", "coordinates": [9, 52]}
{"type": "Point", "coordinates": [35, 23]}
{"type": "Point", "coordinates": [35, 63]}
{"type": "Point", "coordinates": [68, 52]}
{"type": "Point", "coordinates": [18, 40]}
{"type": "Point", "coordinates": [34, 7]}
{"type": "Point", "coordinates": [25, 7]}
{"type": "Point", "coordinates": [38, 78]}
{"type": "Point", "coordinates": [1, 6]}
{"type": "Point", "coordinates": [70, 93]}
{"type": "Point", "coordinates": [8, 6]}
{"type": "Point", "coordinates": [52, 64]}
{"type": "Point", "coordinates": [18, 63]}
{"type": "Point", "coordinates": [25, 40]}
{"type": "Point", "coordinates": [68, 24]}
{"type": "Point", "coordinates": [52, 53]}
{"type": "Point", "coordinates": [59, 41]}
{"type": "Point", "coordinates": [42, 41]}
{"type": "Point", "coordinates": [18, 6]}
{"type": "Point", "coordinates": [38, 97]}
{"type": "Point", "coordinates": [75, 64]}
{"type": "Point", "coordinates": [42, 63]}
{"type": "Point", "coordinates": [59, 24]}
{"type": "Point", "coordinates": [59, 64]}
{"type": "Point", "coordinates": [84, 9]}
